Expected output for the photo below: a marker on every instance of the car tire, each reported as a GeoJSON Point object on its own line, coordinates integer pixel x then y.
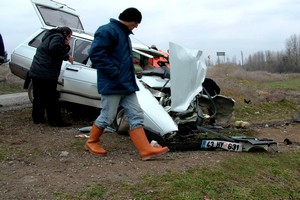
{"type": "Point", "coordinates": [121, 126]}
{"type": "Point", "coordinates": [121, 123]}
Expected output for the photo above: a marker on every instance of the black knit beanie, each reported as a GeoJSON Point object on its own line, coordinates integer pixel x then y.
{"type": "Point", "coordinates": [131, 15]}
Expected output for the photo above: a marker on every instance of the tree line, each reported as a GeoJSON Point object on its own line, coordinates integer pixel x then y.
{"type": "Point", "coordinates": [285, 61]}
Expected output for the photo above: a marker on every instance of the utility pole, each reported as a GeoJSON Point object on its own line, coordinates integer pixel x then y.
{"type": "Point", "coordinates": [242, 58]}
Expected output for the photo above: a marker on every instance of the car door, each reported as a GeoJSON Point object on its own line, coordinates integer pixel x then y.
{"type": "Point", "coordinates": [79, 80]}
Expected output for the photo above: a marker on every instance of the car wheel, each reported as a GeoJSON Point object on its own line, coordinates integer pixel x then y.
{"type": "Point", "coordinates": [121, 126]}
{"type": "Point", "coordinates": [121, 123]}
{"type": "Point", "coordinates": [30, 91]}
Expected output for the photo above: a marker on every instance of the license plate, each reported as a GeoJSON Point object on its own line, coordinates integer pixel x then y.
{"type": "Point", "coordinates": [230, 146]}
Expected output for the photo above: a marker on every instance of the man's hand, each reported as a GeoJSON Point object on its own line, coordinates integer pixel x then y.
{"type": "Point", "coordinates": [71, 59]}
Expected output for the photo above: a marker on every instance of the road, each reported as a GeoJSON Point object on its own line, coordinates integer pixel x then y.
{"type": "Point", "coordinates": [14, 101]}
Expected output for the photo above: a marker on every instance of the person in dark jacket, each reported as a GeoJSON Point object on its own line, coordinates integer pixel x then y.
{"type": "Point", "coordinates": [44, 73]}
{"type": "Point", "coordinates": [111, 55]}
{"type": "Point", "coordinates": [2, 51]}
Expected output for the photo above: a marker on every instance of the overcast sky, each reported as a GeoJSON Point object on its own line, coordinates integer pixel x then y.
{"type": "Point", "coordinates": [230, 26]}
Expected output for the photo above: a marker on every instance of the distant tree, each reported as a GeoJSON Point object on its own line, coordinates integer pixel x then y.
{"type": "Point", "coordinates": [234, 60]}
{"type": "Point", "coordinates": [293, 52]}
{"type": "Point", "coordinates": [277, 62]}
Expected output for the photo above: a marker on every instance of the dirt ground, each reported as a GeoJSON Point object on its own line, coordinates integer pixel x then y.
{"type": "Point", "coordinates": [38, 160]}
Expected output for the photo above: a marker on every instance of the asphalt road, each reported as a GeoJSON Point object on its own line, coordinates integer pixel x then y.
{"type": "Point", "coordinates": [14, 101]}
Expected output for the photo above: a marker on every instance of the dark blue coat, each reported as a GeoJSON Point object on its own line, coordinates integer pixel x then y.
{"type": "Point", "coordinates": [2, 50]}
{"type": "Point", "coordinates": [110, 54]}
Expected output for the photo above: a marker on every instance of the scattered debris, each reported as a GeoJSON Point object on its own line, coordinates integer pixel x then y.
{"type": "Point", "coordinates": [64, 154]}
{"type": "Point", "coordinates": [247, 101]}
{"type": "Point", "coordinates": [242, 124]}
{"type": "Point", "coordinates": [86, 129]}
{"type": "Point", "coordinates": [287, 141]}
{"type": "Point", "coordinates": [297, 118]}
{"type": "Point", "coordinates": [82, 136]}
{"type": "Point", "coordinates": [154, 143]}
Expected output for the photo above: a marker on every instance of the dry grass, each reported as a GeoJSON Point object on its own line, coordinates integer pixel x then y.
{"type": "Point", "coordinates": [250, 85]}
{"type": "Point", "coordinates": [236, 72]}
{"type": "Point", "coordinates": [9, 83]}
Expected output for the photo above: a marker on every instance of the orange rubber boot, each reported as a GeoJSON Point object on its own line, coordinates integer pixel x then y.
{"type": "Point", "coordinates": [92, 143]}
{"type": "Point", "coordinates": [142, 144]}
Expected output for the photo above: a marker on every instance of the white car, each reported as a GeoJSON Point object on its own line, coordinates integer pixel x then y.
{"type": "Point", "coordinates": [78, 81]}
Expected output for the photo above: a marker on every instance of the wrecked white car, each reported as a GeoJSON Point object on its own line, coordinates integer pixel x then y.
{"type": "Point", "coordinates": [172, 99]}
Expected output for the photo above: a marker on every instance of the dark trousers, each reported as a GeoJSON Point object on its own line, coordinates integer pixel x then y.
{"type": "Point", "coordinates": [46, 98]}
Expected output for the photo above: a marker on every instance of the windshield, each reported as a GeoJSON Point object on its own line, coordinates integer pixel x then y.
{"type": "Point", "coordinates": [56, 18]}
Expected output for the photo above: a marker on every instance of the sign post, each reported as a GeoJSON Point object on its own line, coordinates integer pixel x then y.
{"type": "Point", "coordinates": [220, 53]}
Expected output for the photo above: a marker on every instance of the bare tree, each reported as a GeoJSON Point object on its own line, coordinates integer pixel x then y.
{"type": "Point", "coordinates": [278, 62]}
{"type": "Point", "coordinates": [293, 52]}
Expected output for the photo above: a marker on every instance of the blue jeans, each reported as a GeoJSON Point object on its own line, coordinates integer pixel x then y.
{"type": "Point", "coordinates": [110, 104]}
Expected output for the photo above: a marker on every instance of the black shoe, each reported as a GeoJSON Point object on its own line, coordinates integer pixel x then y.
{"type": "Point", "coordinates": [60, 124]}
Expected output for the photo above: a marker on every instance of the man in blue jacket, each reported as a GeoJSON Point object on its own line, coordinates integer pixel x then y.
{"type": "Point", "coordinates": [111, 55]}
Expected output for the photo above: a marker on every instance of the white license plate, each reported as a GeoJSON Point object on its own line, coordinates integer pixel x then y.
{"type": "Point", "coordinates": [230, 146]}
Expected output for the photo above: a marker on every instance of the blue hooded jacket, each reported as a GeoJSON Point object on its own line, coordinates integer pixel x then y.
{"type": "Point", "coordinates": [111, 55]}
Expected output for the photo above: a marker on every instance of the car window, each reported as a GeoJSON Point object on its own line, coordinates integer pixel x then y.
{"type": "Point", "coordinates": [35, 42]}
{"type": "Point", "coordinates": [56, 18]}
{"type": "Point", "coordinates": [81, 49]}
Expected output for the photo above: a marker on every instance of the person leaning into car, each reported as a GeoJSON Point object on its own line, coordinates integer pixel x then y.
{"type": "Point", "coordinates": [44, 72]}
{"type": "Point", "coordinates": [111, 55]}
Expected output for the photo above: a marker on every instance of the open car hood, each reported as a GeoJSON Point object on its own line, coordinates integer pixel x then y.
{"type": "Point", "coordinates": [55, 14]}
{"type": "Point", "coordinates": [188, 72]}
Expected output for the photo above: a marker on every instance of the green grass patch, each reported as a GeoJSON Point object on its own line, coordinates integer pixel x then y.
{"type": "Point", "coordinates": [247, 176]}
{"type": "Point", "coordinates": [265, 111]}
{"type": "Point", "coordinates": [291, 84]}
{"type": "Point", "coordinates": [95, 191]}
{"type": "Point", "coordinates": [9, 88]}
{"type": "Point", "coordinates": [92, 192]}
{"type": "Point", "coordinates": [244, 176]}
{"type": "Point", "coordinates": [18, 152]}
{"type": "Point", "coordinates": [78, 144]}
{"type": "Point", "coordinates": [2, 154]}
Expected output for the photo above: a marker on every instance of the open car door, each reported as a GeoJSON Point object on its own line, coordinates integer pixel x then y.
{"type": "Point", "coordinates": [55, 14]}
